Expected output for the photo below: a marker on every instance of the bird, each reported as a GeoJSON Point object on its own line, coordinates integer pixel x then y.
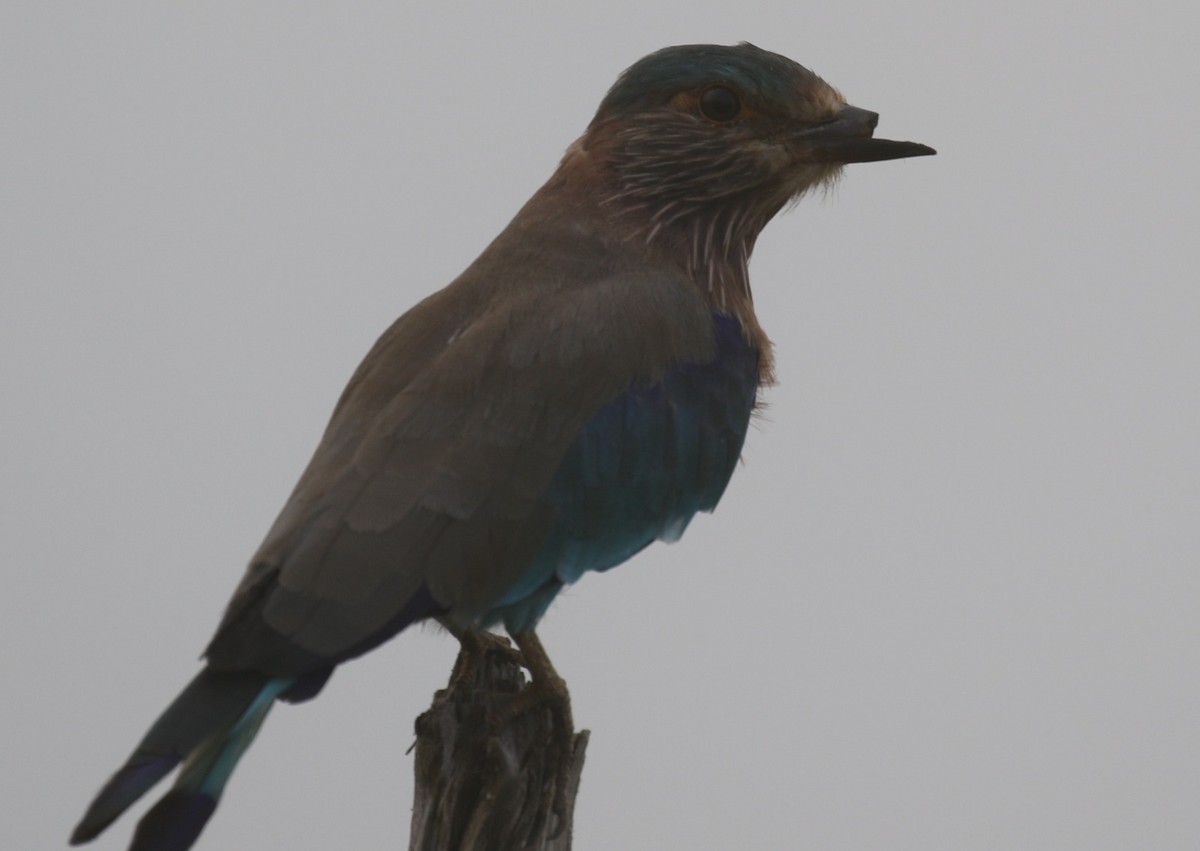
{"type": "Point", "coordinates": [581, 390]}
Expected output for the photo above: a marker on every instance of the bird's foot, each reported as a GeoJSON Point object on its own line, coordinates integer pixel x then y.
{"type": "Point", "coordinates": [547, 691]}
{"type": "Point", "coordinates": [474, 648]}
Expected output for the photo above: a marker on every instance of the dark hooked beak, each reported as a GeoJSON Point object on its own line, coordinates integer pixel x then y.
{"type": "Point", "coordinates": [847, 139]}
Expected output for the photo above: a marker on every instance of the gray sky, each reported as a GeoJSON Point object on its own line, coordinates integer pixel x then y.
{"type": "Point", "coordinates": [949, 601]}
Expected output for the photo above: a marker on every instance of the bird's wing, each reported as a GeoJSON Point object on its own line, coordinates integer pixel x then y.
{"type": "Point", "coordinates": [427, 483]}
{"type": "Point", "coordinates": [640, 469]}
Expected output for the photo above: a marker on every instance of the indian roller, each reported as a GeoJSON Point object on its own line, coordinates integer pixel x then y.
{"type": "Point", "coordinates": [581, 390]}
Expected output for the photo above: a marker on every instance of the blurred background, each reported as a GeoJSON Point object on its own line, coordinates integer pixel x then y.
{"type": "Point", "coordinates": [948, 602]}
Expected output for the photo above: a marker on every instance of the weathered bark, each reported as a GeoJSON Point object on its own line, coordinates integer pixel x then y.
{"type": "Point", "coordinates": [498, 762]}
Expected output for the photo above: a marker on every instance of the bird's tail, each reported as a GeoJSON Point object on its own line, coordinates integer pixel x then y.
{"type": "Point", "coordinates": [207, 728]}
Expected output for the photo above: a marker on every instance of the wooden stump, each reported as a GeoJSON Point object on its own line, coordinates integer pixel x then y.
{"type": "Point", "coordinates": [494, 771]}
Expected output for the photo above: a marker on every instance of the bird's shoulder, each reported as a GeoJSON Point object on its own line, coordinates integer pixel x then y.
{"type": "Point", "coordinates": [563, 313]}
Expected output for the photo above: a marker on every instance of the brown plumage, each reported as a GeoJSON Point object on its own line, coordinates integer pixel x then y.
{"type": "Point", "coordinates": [582, 389]}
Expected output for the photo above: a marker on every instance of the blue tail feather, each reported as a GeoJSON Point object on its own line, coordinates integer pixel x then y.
{"type": "Point", "coordinates": [208, 728]}
{"type": "Point", "coordinates": [209, 767]}
{"type": "Point", "coordinates": [141, 772]}
{"type": "Point", "coordinates": [174, 823]}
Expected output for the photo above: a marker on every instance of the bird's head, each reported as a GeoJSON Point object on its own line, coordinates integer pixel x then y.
{"type": "Point", "coordinates": [725, 136]}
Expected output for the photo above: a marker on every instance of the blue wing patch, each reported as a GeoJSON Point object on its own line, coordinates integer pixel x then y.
{"type": "Point", "coordinates": [641, 469]}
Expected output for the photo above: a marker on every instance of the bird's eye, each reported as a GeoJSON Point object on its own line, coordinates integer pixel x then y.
{"type": "Point", "coordinates": [719, 103]}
